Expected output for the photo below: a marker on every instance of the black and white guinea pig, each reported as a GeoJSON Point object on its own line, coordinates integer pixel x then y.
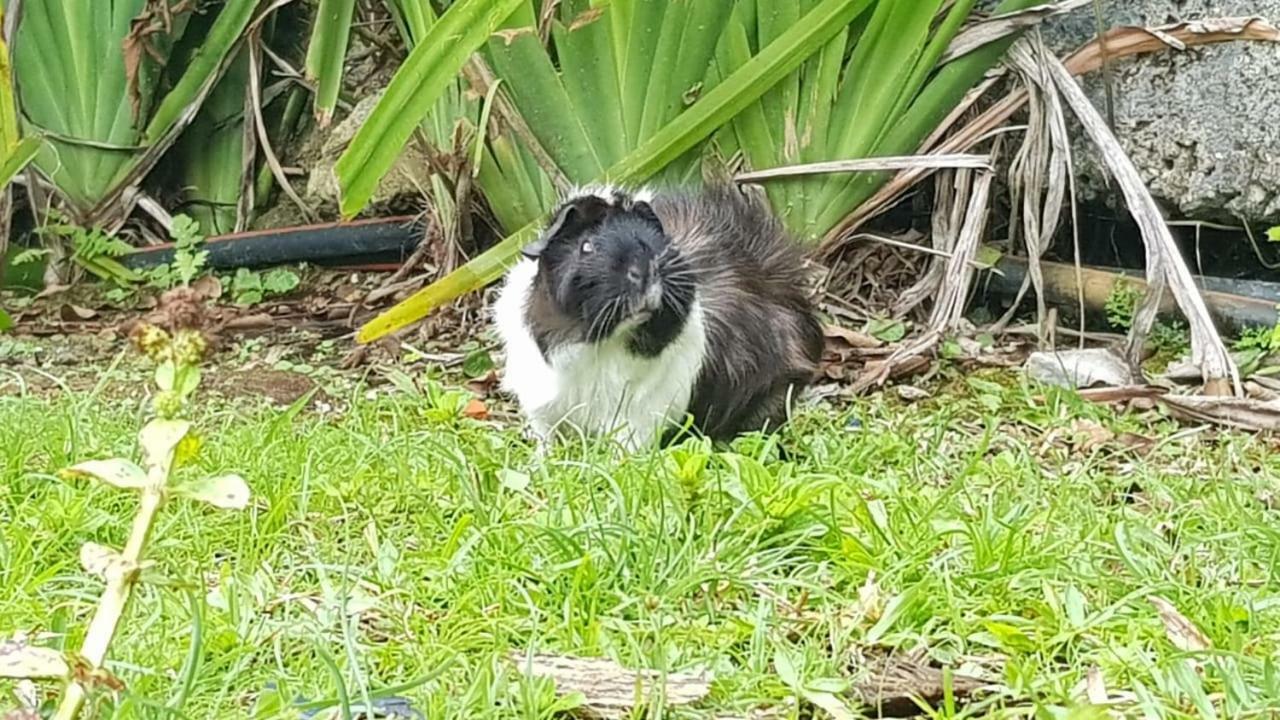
{"type": "Point", "coordinates": [633, 310]}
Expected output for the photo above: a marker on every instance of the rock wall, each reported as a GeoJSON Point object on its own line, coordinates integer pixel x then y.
{"type": "Point", "coordinates": [1202, 125]}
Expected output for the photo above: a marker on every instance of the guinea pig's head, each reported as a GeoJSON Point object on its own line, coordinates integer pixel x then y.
{"type": "Point", "coordinates": [609, 267]}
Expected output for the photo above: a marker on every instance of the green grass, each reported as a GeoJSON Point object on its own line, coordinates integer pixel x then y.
{"type": "Point", "coordinates": [996, 544]}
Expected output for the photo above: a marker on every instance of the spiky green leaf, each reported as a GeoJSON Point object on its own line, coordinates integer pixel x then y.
{"type": "Point", "coordinates": [327, 53]}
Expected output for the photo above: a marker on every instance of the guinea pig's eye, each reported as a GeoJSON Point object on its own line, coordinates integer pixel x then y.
{"type": "Point", "coordinates": [587, 248]}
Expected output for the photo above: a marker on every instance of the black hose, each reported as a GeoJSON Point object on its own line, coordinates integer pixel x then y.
{"type": "Point", "coordinates": [381, 240]}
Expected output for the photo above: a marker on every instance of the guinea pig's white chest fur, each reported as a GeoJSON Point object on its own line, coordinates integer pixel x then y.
{"type": "Point", "coordinates": [597, 388]}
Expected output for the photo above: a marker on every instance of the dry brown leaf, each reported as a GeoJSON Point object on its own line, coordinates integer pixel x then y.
{"type": "Point", "coordinates": [852, 337]}
{"type": "Point", "coordinates": [910, 393]}
{"type": "Point", "coordinates": [484, 386]}
{"type": "Point", "coordinates": [1181, 631]}
{"type": "Point", "coordinates": [1116, 43]}
{"type": "Point", "coordinates": [155, 19]}
{"type": "Point", "coordinates": [610, 690]}
{"type": "Point", "coordinates": [1089, 435]}
{"type": "Point", "coordinates": [510, 36]}
{"type": "Point", "coordinates": [586, 18]}
{"type": "Point", "coordinates": [76, 313]}
{"type": "Point", "coordinates": [476, 409]}
{"type": "Point", "coordinates": [1122, 393]}
{"type": "Point", "coordinates": [1079, 368]}
{"type": "Point", "coordinates": [892, 685]}
{"type": "Point", "coordinates": [209, 287]}
{"type": "Point", "coordinates": [1241, 413]}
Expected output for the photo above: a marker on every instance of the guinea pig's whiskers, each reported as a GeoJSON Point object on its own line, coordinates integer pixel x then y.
{"type": "Point", "coordinates": [605, 317]}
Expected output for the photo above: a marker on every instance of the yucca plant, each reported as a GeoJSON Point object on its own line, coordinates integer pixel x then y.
{"type": "Point", "coordinates": [875, 90]}
{"type": "Point", "coordinates": [89, 82]}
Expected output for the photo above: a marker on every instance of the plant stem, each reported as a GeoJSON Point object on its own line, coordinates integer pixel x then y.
{"type": "Point", "coordinates": [115, 596]}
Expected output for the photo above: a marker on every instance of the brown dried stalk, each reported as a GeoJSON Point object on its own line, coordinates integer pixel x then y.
{"type": "Point", "coordinates": [1164, 262]}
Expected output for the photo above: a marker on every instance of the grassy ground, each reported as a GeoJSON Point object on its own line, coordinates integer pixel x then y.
{"type": "Point", "coordinates": [1007, 532]}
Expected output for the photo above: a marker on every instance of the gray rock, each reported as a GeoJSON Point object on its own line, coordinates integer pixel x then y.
{"type": "Point", "coordinates": [1079, 368]}
{"type": "Point", "coordinates": [1201, 125]}
{"type": "Point", "coordinates": [406, 180]}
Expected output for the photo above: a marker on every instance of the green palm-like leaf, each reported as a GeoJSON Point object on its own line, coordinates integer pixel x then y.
{"type": "Point", "coordinates": [69, 64]}
{"type": "Point", "coordinates": [885, 100]}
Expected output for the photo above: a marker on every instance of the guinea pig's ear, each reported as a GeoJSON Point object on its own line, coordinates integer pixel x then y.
{"type": "Point", "coordinates": [573, 218]}
{"type": "Point", "coordinates": [645, 211]}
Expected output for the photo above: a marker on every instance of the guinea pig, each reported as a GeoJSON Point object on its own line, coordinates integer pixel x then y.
{"type": "Point", "coordinates": [633, 311]}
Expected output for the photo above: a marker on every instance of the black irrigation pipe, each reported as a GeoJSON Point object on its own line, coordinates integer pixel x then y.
{"type": "Point", "coordinates": [1235, 304]}
{"type": "Point", "coordinates": [353, 243]}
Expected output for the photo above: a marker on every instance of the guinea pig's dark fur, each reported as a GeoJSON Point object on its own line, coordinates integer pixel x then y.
{"type": "Point", "coordinates": [707, 280]}
{"type": "Point", "coordinates": [764, 342]}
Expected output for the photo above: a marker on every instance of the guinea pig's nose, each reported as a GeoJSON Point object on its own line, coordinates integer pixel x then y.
{"type": "Point", "coordinates": [635, 275]}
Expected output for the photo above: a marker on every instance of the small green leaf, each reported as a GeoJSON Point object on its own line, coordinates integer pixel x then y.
{"type": "Point", "coordinates": [1074, 605]}
{"type": "Point", "coordinates": [103, 562]}
{"type": "Point", "coordinates": [6, 321]}
{"type": "Point", "coordinates": [28, 256]}
{"type": "Point", "coordinates": [24, 662]}
{"type": "Point", "coordinates": [229, 492]}
{"type": "Point", "coordinates": [188, 379]}
{"type": "Point", "coordinates": [477, 364]}
{"type": "Point", "coordinates": [897, 606]}
{"type": "Point", "coordinates": [188, 265]}
{"type": "Point", "coordinates": [165, 373]}
{"type": "Point", "coordinates": [513, 479]}
{"type": "Point", "coordinates": [159, 438]}
{"type": "Point", "coordinates": [280, 281]}
{"type": "Point", "coordinates": [185, 232]}
{"type": "Point", "coordinates": [951, 350]}
{"type": "Point", "coordinates": [246, 279]}
{"type": "Point", "coordinates": [987, 256]}
{"type": "Point", "coordinates": [785, 666]}
{"type": "Point", "coordinates": [1010, 636]}
{"type": "Point", "coordinates": [18, 157]}
{"type": "Point", "coordinates": [567, 703]}
{"type": "Point", "coordinates": [1273, 234]}
{"type": "Point", "coordinates": [116, 472]}
{"type": "Point", "coordinates": [886, 329]}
